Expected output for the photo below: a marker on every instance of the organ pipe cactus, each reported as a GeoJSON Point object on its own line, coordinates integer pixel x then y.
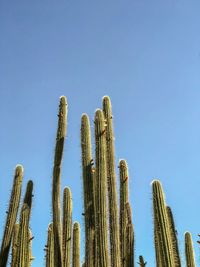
{"type": "Point", "coordinates": [129, 258]}
{"type": "Point", "coordinates": [76, 245]}
{"type": "Point", "coordinates": [61, 133]}
{"type": "Point", "coordinates": [163, 245]}
{"type": "Point", "coordinates": [141, 262]}
{"type": "Point", "coordinates": [50, 247]}
{"type": "Point", "coordinates": [89, 191]}
{"type": "Point", "coordinates": [177, 260]}
{"type": "Point", "coordinates": [11, 215]}
{"type": "Point", "coordinates": [123, 200]}
{"type": "Point", "coordinates": [189, 252]}
{"type": "Point", "coordinates": [101, 191]}
{"type": "Point", "coordinates": [112, 190]}
{"type": "Point", "coordinates": [14, 244]}
{"type": "Point", "coordinates": [67, 226]}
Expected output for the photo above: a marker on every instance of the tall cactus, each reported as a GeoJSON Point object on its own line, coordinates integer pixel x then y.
{"type": "Point", "coordinates": [101, 191]}
{"type": "Point", "coordinates": [123, 200]}
{"type": "Point", "coordinates": [164, 245]}
{"type": "Point", "coordinates": [76, 245]}
{"type": "Point", "coordinates": [177, 260]}
{"type": "Point", "coordinates": [89, 191]}
{"type": "Point", "coordinates": [61, 133]}
{"type": "Point", "coordinates": [141, 262]}
{"type": "Point", "coordinates": [14, 244]}
{"type": "Point", "coordinates": [129, 259]}
{"type": "Point", "coordinates": [30, 255]}
{"type": "Point", "coordinates": [50, 247]}
{"type": "Point", "coordinates": [67, 226]}
{"type": "Point", "coordinates": [12, 215]}
{"type": "Point", "coordinates": [112, 188]}
{"type": "Point", "coordinates": [189, 251]}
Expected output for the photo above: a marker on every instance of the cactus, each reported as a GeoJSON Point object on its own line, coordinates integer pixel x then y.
{"type": "Point", "coordinates": [177, 260]}
{"type": "Point", "coordinates": [30, 256]}
{"type": "Point", "coordinates": [67, 226]}
{"type": "Point", "coordinates": [129, 259]}
{"type": "Point", "coordinates": [162, 230]}
{"type": "Point", "coordinates": [141, 262]}
{"type": "Point", "coordinates": [76, 245]}
{"type": "Point", "coordinates": [112, 190]}
{"type": "Point", "coordinates": [61, 133]}
{"type": "Point", "coordinates": [50, 247]}
{"type": "Point", "coordinates": [123, 200]}
{"type": "Point", "coordinates": [189, 252]}
{"type": "Point", "coordinates": [12, 215]}
{"type": "Point", "coordinates": [14, 244]}
{"type": "Point", "coordinates": [101, 191]}
{"type": "Point", "coordinates": [89, 192]}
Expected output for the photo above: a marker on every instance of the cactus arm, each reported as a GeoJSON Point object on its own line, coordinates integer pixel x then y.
{"type": "Point", "coordinates": [89, 191]}
{"type": "Point", "coordinates": [12, 215]}
{"type": "Point", "coordinates": [141, 262]}
{"type": "Point", "coordinates": [129, 259]}
{"type": "Point", "coordinates": [14, 244]}
{"type": "Point", "coordinates": [112, 188]}
{"type": "Point", "coordinates": [50, 247]}
{"type": "Point", "coordinates": [101, 191]}
{"type": "Point", "coordinates": [189, 251]}
{"type": "Point", "coordinates": [61, 133]}
{"type": "Point", "coordinates": [67, 226]}
{"type": "Point", "coordinates": [76, 245]}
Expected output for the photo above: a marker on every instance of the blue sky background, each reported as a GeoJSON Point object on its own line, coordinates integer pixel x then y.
{"type": "Point", "coordinates": [146, 56]}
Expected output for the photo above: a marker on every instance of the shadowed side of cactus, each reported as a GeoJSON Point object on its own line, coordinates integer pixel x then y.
{"type": "Point", "coordinates": [129, 258]}
{"type": "Point", "coordinates": [141, 262]}
{"type": "Point", "coordinates": [189, 251]}
{"type": "Point", "coordinates": [61, 133]}
{"type": "Point", "coordinates": [12, 215]}
{"type": "Point", "coordinates": [76, 245]}
{"type": "Point", "coordinates": [112, 188]}
{"type": "Point", "coordinates": [50, 247]}
{"type": "Point", "coordinates": [89, 191]}
{"type": "Point", "coordinates": [162, 229]}
{"type": "Point", "coordinates": [67, 226]}
{"type": "Point", "coordinates": [101, 191]}
{"type": "Point", "coordinates": [177, 260]}
{"type": "Point", "coordinates": [14, 244]}
{"type": "Point", "coordinates": [30, 238]}
{"type": "Point", "coordinates": [123, 168]}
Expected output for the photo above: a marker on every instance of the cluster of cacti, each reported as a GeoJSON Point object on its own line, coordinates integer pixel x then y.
{"type": "Point", "coordinates": [108, 222]}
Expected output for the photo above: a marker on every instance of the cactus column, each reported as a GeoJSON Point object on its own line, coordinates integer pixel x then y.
{"type": "Point", "coordinates": [163, 246]}
{"type": "Point", "coordinates": [50, 247]}
{"type": "Point", "coordinates": [89, 191]}
{"type": "Point", "coordinates": [12, 215]}
{"type": "Point", "coordinates": [189, 252]}
{"type": "Point", "coordinates": [76, 245]}
{"type": "Point", "coordinates": [61, 133]}
{"type": "Point", "coordinates": [129, 259]}
{"type": "Point", "coordinates": [112, 190]}
{"type": "Point", "coordinates": [101, 191]}
{"type": "Point", "coordinates": [142, 263]}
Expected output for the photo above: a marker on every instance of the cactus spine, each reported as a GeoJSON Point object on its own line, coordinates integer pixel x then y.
{"type": "Point", "coordinates": [123, 200]}
{"type": "Point", "coordinates": [61, 133]}
{"type": "Point", "coordinates": [112, 190]}
{"type": "Point", "coordinates": [189, 252]}
{"type": "Point", "coordinates": [142, 263]}
{"type": "Point", "coordinates": [67, 226]}
{"type": "Point", "coordinates": [89, 191]}
{"type": "Point", "coordinates": [50, 247]}
{"type": "Point", "coordinates": [164, 243]}
{"type": "Point", "coordinates": [101, 189]}
{"type": "Point", "coordinates": [177, 260]}
{"type": "Point", "coordinates": [12, 215]}
{"type": "Point", "coordinates": [129, 259]}
{"type": "Point", "coordinates": [76, 245]}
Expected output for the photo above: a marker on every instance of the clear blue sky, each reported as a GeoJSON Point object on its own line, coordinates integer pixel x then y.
{"type": "Point", "coordinates": [146, 56]}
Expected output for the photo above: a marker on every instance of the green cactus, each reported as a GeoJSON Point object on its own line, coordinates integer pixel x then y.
{"type": "Point", "coordinates": [89, 191]}
{"type": "Point", "coordinates": [129, 259]}
{"type": "Point", "coordinates": [189, 251]}
{"type": "Point", "coordinates": [50, 247]}
{"type": "Point", "coordinates": [112, 188]}
{"type": "Point", "coordinates": [67, 226]}
{"type": "Point", "coordinates": [14, 244]}
{"type": "Point", "coordinates": [123, 200]}
{"type": "Point", "coordinates": [101, 191]}
{"type": "Point", "coordinates": [11, 215]}
{"type": "Point", "coordinates": [141, 262]}
{"type": "Point", "coordinates": [30, 256]}
{"type": "Point", "coordinates": [177, 260]}
{"type": "Point", "coordinates": [162, 230]}
{"type": "Point", "coordinates": [76, 245]}
{"type": "Point", "coordinates": [61, 133]}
